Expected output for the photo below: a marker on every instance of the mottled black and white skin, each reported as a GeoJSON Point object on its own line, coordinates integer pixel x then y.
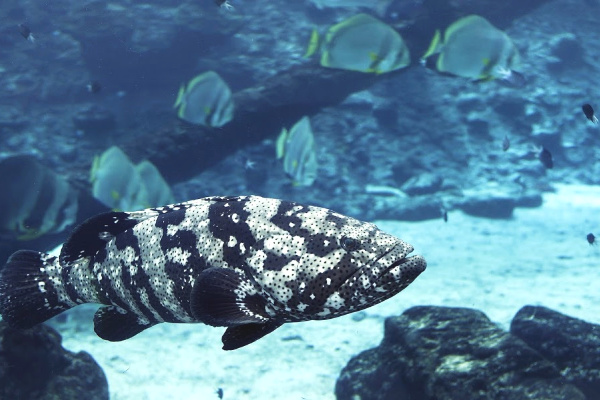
{"type": "Point", "coordinates": [248, 263]}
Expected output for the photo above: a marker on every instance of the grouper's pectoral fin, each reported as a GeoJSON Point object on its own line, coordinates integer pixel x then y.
{"type": "Point", "coordinates": [112, 324]}
{"type": "Point", "coordinates": [224, 297]}
{"type": "Point", "coordinates": [241, 335]}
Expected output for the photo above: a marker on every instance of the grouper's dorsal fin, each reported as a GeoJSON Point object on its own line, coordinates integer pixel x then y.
{"type": "Point", "coordinates": [92, 235]}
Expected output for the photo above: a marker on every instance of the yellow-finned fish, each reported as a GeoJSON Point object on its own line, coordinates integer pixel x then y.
{"type": "Point", "coordinates": [472, 47]}
{"type": "Point", "coordinates": [361, 43]}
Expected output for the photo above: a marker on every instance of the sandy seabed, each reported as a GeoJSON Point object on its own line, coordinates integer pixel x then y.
{"type": "Point", "coordinates": [538, 257]}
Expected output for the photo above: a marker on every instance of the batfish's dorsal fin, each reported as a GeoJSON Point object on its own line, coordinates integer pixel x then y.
{"type": "Point", "coordinates": [313, 44]}
{"type": "Point", "coordinates": [114, 325]}
{"type": "Point", "coordinates": [434, 46]}
{"type": "Point", "coordinates": [218, 299]}
{"type": "Point", "coordinates": [242, 335]}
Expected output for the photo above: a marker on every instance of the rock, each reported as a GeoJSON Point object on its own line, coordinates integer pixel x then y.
{"type": "Point", "coordinates": [403, 208]}
{"type": "Point", "coordinates": [375, 375]}
{"type": "Point", "coordinates": [489, 206]}
{"type": "Point", "coordinates": [447, 353]}
{"type": "Point", "coordinates": [529, 199]}
{"type": "Point", "coordinates": [425, 183]}
{"type": "Point", "coordinates": [571, 344]}
{"type": "Point", "coordinates": [566, 53]}
{"type": "Point", "coordinates": [12, 118]}
{"type": "Point", "coordinates": [94, 120]}
{"type": "Point", "coordinates": [478, 127]}
{"type": "Point", "coordinates": [33, 365]}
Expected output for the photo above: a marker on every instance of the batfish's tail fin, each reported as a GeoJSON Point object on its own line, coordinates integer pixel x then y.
{"type": "Point", "coordinates": [32, 289]}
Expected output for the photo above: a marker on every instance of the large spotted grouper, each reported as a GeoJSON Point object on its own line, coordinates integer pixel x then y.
{"type": "Point", "coordinates": [247, 263]}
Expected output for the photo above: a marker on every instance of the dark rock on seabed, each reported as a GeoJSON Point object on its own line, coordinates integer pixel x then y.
{"type": "Point", "coordinates": [571, 344]}
{"type": "Point", "coordinates": [488, 206]}
{"type": "Point", "coordinates": [34, 366]}
{"type": "Point", "coordinates": [447, 353]}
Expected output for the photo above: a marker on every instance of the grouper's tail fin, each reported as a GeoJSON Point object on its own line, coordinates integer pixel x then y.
{"type": "Point", "coordinates": [31, 289]}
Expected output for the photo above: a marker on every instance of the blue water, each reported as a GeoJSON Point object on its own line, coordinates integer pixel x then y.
{"type": "Point", "coordinates": [403, 148]}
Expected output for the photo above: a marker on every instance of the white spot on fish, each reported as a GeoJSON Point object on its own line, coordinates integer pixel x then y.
{"type": "Point", "coordinates": [232, 241]}
{"type": "Point", "coordinates": [334, 301]}
{"type": "Point", "coordinates": [302, 286]}
{"type": "Point", "coordinates": [178, 255]}
{"type": "Point", "coordinates": [324, 313]}
{"type": "Point", "coordinates": [172, 230]}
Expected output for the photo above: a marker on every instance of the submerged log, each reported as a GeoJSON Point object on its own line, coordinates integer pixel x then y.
{"type": "Point", "coordinates": [260, 112]}
{"type": "Point", "coordinates": [181, 151]}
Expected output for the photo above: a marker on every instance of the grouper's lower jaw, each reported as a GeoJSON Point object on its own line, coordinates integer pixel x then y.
{"type": "Point", "coordinates": [389, 281]}
{"type": "Point", "coordinates": [401, 272]}
{"type": "Point", "coordinates": [406, 270]}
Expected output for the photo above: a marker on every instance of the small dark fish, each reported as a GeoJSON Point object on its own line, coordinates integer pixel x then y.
{"type": "Point", "coordinates": [224, 4]}
{"type": "Point", "coordinates": [589, 113]}
{"type": "Point", "coordinates": [93, 87]}
{"type": "Point", "coordinates": [545, 158]}
{"type": "Point", "coordinates": [505, 143]}
{"type": "Point", "coordinates": [26, 32]}
{"type": "Point", "coordinates": [591, 238]}
{"type": "Point", "coordinates": [220, 393]}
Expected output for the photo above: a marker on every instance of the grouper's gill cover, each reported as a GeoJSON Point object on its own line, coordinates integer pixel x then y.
{"type": "Point", "coordinates": [247, 263]}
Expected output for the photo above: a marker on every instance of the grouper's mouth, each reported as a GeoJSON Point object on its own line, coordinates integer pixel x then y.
{"type": "Point", "coordinates": [383, 278]}
{"type": "Point", "coordinates": [399, 268]}
{"type": "Point", "coordinates": [412, 265]}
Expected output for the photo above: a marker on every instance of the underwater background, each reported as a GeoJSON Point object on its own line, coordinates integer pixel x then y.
{"type": "Point", "coordinates": [475, 149]}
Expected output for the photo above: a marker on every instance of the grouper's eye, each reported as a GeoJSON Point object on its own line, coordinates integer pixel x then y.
{"type": "Point", "coordinates": [349, 244]}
